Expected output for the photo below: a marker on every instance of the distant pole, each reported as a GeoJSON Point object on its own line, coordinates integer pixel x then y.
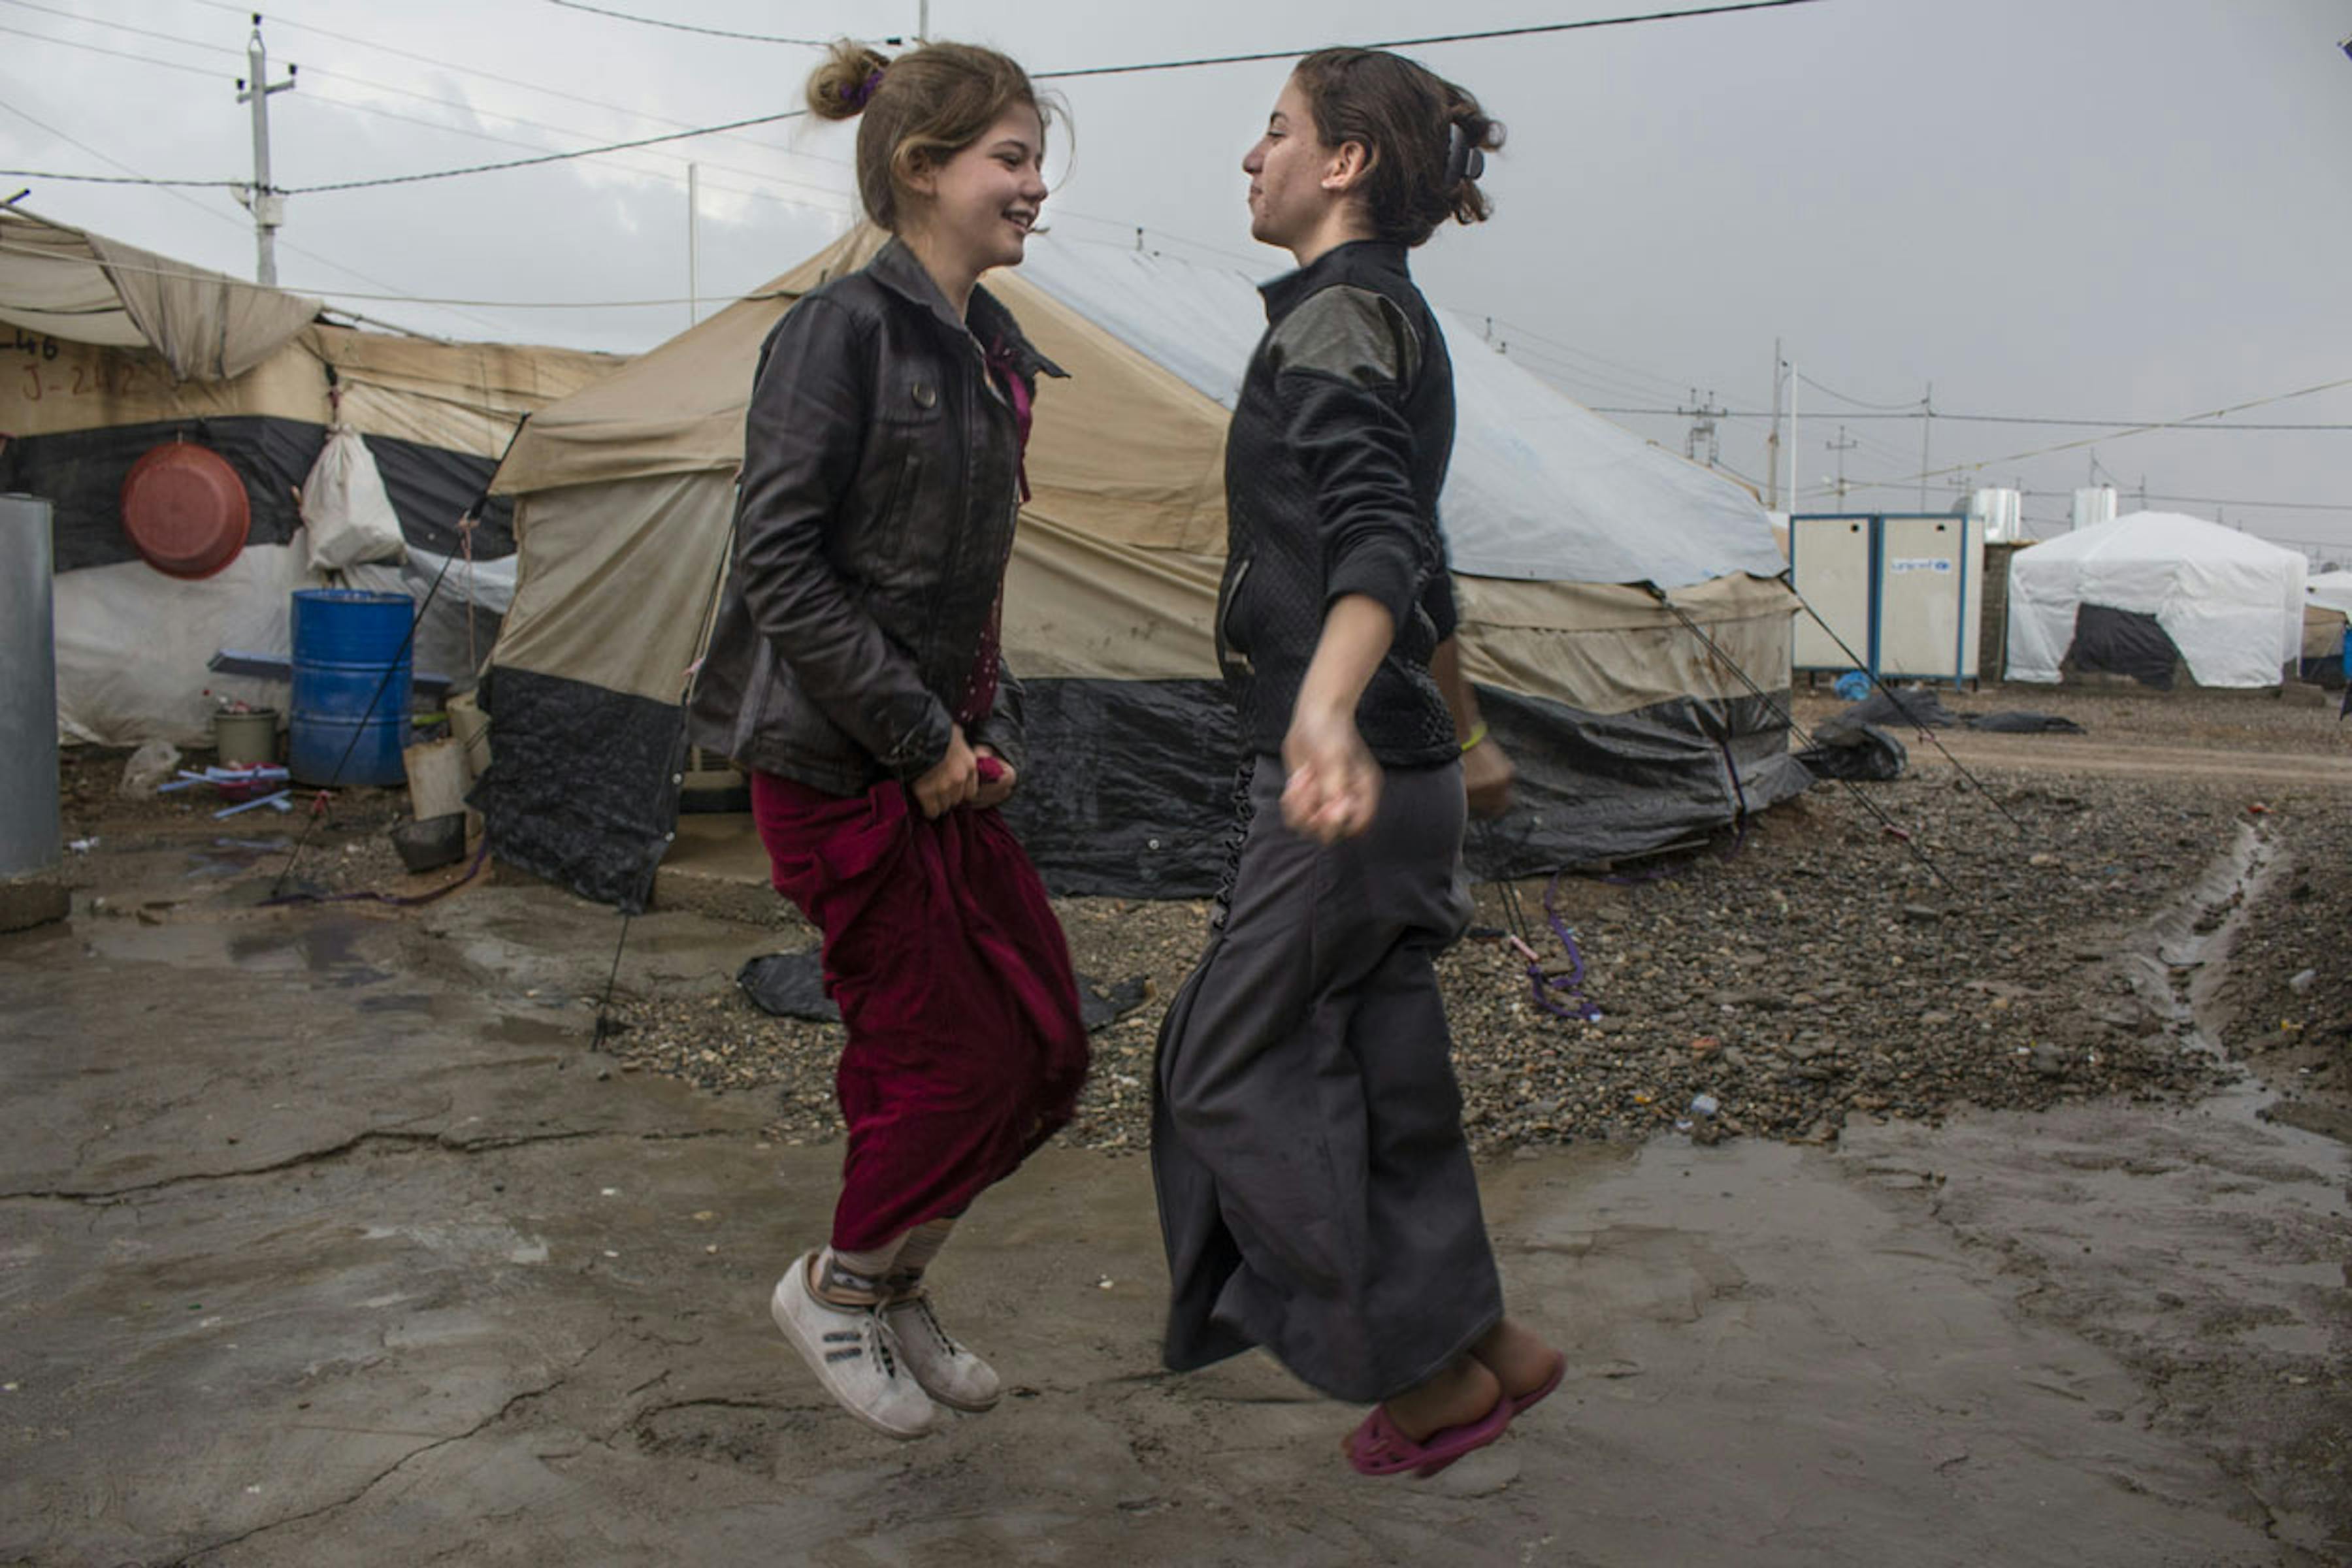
{"type": "Point", "coordinates": [693, 244]}
{"type": "Point", "coordinates": [1792, 437]}
{"type": "Point", "coordinates": [1840, 447]}
{"type": "Point", "coordinates": [1772, 446]}
{"type": "Point", "coordinates": [1703, 429]}
{"type": "Point", "coordinates": [923, 22]}
{"type": "Point", "coordinates": [1926, 423]}
{"type": "Point", "coordinates": [268, 208]}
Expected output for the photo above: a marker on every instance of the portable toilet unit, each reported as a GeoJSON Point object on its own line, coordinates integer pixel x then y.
{"type": "Point", "coordinates": [1897, 593]}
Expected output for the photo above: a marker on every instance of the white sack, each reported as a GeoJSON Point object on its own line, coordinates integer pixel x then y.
{"type": "Point", "coordinates": [345, 506]}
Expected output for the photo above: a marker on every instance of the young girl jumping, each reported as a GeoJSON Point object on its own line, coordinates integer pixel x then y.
{"type": "Point", "coordinates": [853, 669]}
{"type": "Point", "coordinates": [1316, 1193]}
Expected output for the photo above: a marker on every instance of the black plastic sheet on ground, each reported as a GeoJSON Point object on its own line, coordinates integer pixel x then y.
{"type": "Point", "coordinates": [1863, 753]}
{"type": "Point", "coordinates": [792, 986]}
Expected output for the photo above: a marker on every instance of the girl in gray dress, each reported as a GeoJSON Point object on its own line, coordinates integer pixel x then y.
{"type": "Point", "coordinates": [1316, 1193]}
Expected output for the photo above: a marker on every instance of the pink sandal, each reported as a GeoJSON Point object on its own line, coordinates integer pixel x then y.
{"type": "Point", "coordinates": [1533, 1396]}
{"type": "Point", "coordinates": [1377, 1449]}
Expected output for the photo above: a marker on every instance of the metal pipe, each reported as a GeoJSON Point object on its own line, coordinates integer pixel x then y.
{"type": "Point", "coordinates": [30, 840]}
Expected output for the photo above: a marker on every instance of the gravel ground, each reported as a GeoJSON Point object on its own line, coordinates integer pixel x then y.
{"type": "Point", "coordinates": [1811, 971]}
{"type": "Point", "coordinates": [1806, 972]}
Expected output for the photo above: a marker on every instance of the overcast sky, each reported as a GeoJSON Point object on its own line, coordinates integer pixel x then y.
{"type": "Point", "coordinates": [2102, 209]}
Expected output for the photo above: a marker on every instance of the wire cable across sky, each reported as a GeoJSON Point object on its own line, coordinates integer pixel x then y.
{"type": "Point", "coordinates": [1070, 74]}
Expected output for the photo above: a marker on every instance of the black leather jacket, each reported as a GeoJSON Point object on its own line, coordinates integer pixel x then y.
{"type": "Point", "coordinates": [873, 522]}
{"type": "Point", "coordinates": [1336, 452]}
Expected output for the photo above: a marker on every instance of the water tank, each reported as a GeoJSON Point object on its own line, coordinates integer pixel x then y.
{"type": "Point", "coordinates": [2093, 506]}
{"type": "Point", "coordinates": [1998, 514]}
{"type": "Point", "coordinates": [352, 675]}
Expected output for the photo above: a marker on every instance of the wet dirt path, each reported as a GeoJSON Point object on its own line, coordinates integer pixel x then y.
{"type": "Point", "coordinates": [325, 1240]}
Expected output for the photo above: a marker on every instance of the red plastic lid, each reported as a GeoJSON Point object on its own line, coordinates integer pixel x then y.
{"type": "Point", "coordinates": [185, 510]}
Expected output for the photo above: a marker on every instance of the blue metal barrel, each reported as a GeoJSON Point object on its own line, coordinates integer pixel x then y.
{"type": "Point", "coordinates": [351, 670]}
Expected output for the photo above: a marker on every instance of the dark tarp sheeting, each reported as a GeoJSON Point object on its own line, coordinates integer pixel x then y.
{"type": "Point", "coordinates": [1130, 787]}
{"type": "Point", "coordinates": [579, 788]}
{"type": "Point", "coordinates": [80, 473]}
{"type": "Point", "coordinates": [1595, 788]}
{"type": "Point", "coordinates": [1865, 753]}
{"type": "Point", "coordinates": [2122, 642]}
{"type": "Point", "coordinates": [792, 986]}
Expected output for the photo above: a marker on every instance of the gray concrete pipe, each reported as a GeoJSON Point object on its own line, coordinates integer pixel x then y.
{"type": "Point", "coordinates": [30, 850]}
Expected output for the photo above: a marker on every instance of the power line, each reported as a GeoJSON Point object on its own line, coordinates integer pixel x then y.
{"type": "Point", "coordinates": [1532, 31]}
{"type": "Point", "coordinates": [220, 217]}
{"type": "Point", "coordinates": [1541, 27]}
{"type": "Point", "coordinates": [530, 163]}
{"type": "Point", "coordinates": [335, 75]}
{"type": "Point", "coordinates": [1858, 402]}
{"type": "Point", "coordinates": [451, 66]}
{"type": "Point", "coordinates": [2136, 430]}
{"type": "Point", "coordinates": [191, 275]}
{"type": "Point", "coordinates": [2225, 501]}
{"type": "Point", "coordinates": [690, 27]}
{"type": "Point", "coordinates": [797, 114]}
{"type": "Point", "coordinates": [2203, 422]}
{"type": "Point", "coordinates": [840, 199]}
{"type": "Point", "coordinates": [367, 109]}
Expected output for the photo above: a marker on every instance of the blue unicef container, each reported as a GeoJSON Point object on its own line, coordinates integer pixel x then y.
{"type": "Point", "coordinates": [351, 670]}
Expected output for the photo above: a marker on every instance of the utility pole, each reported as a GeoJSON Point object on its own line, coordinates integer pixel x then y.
{"type": "Point", "coordinates": [268, 207]}
{"type": "Point", "coordinates": [1703, 418]}
{"type": "Point", "coordinates": [1772, 446]}
{"type": "Point", "coordinates": [1841, 446]}
{"type": "Point", "coordinates": [1926, 423]}
{"type": "Point", "coordinates": [923, 22]}
{"type": "Point", "coordinates": [1792, 438]}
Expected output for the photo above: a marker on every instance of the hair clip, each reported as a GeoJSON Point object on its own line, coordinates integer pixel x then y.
{"type": "Point", "coordinates": [1462, 162]}
{"type": "Point", "coordinates": [857, 97]}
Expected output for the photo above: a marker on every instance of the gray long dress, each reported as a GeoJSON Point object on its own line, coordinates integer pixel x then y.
{"type": "Point", "coordinates": [1316, 1193]}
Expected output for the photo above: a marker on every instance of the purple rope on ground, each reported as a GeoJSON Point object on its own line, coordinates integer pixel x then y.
{"type": "Point", "coordinates": [1572, 985]}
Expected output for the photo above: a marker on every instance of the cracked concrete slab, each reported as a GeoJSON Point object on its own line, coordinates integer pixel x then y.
{"type": "Point", "coordinates": [329, 1243]}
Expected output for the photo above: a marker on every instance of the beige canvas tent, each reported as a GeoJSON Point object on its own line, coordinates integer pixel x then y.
{"type": "Point", "coordinates": [110, 350]}
{"type": "Point", "coordinates": [1631, 733]}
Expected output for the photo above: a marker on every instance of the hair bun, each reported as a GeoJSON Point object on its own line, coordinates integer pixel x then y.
{"type": "Point", "coordinates": [845, 81]}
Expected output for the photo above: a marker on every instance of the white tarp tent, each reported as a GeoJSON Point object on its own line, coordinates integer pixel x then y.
{"type": "Point", "coordinates": [2330, 591]}
{"type": "Point", "coordinates": [2232, 604]}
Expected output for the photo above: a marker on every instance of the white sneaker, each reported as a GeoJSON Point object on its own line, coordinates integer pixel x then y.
{"type": "Point", "coordinates": [854, 1354]}
{"type": "Point", "coordinates": [948, 1373]}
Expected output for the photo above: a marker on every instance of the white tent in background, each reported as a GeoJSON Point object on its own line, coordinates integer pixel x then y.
{"type": "Point", "coordinates": [2230, 604]}
{"type": "Point", "coordinates": [2330, 591]}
